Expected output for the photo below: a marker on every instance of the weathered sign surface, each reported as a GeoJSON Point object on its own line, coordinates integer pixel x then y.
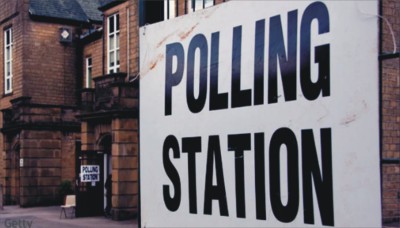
{"type": "Point", "coordinates": [261, 114]}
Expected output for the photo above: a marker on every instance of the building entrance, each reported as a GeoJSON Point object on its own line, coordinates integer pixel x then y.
{"type": "Point", "coordinates": [92, 196]}
{"type": "Point", "coordinates": [14, 180]}
{"type": "Point", "coordinates": [105, 147]}
{"type": "Point", "coordinates": [89, 194]}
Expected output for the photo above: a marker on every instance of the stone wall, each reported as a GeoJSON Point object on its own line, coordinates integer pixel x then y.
{"type": "Point", "coordinates": [49, 76]}
{"type": "Point", "coordinates": [125, 186]}
{"type": "Point", "coordinates": [39, 143]}
{"type": "Point", "coordinates": [93, 50]}
{"type": "Point", "coordinates": [46, 71]}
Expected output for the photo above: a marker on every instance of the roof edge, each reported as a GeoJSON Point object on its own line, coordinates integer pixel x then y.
{"type": "Point", "coordinates": [91, 37]}
{"type": "Point", "coordinates": [110, 5]}
{"type": "Point", "coordinates": [58, 20]}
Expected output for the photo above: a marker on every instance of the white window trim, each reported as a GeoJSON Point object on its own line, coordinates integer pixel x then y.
{"type": "Point", "coordinates": [89, 79]}
{"type": "Point", "coordinates": [6, 61]}
{"type": "Point", "coordinates": [169, 13]}
{"type": "Point", "coordinates": [199, 4]}
{"type": "Point", "coordinates": [114, 51]}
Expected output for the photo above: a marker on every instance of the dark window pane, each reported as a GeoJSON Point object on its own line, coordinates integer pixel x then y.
{"type": "Point", "coordinates": [8, 69]}
{"type": "Point", "coordinates": [112, 59]}
{"type": "Point", "coordinates": [117, 18]}
{"type": "Point", "coordinates": [111, 24]}
{"type": "Point", "coordinates": [7, 37]}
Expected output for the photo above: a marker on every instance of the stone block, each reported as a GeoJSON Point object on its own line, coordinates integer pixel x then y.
{"type": "Point", "coordinates": [125, 188]}
{"type": "Point", "coordinates": [49, 144]}
{"type": "Point", "coordinates": [125, 149]}
{"type": "Point", "coordinates": [125, 124]}
{"type": "Point", "coordinates": [40, 153]}
{"type": "Point", "coordinates": [87, 138]}
{"type": "Point", "coordinates": [29, 143]}
{"type": "Point", "coordinates": [125, 136]}
{"type": "Point", "coordinates": [125, 175]}
{"type": "Point", "coordinates": [42, 162]}
{"type": "Point", "coordinates": [125, 162]}
{"type": "Point", "coordinates": [129, 102]}
{"type": "Point", "coordinates": [89, 146]}
{"type": "Point", "coordinates": [39, 181]}
{"type": "Point", "coordinates": [124, 214]}
{"type": "Point", "coordinates": [28, 134]}
{"type": "Point", "coordinates": [40, 172]}
{"type": "Point", "coordinates": [86, 127]}
{"type": "Point", "coordinates": [124, 201]}
{"type": "Point", "coordinates": [36, 191]}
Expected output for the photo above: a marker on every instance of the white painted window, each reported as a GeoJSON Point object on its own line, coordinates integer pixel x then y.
{"type": "Point", "coordinates": [88, 83]}
{"type": "Point", "coordinates": [113, 43]}
{"type": "Point", "coordinates": [8, 60]}
{"type": "Point", "coordinates": [194, 5]}
{"type": "Point", "coordinates": [169, 9]}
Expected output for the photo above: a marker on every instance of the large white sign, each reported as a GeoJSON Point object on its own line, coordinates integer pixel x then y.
{"type": "Point", "coordinates": [261, 114]}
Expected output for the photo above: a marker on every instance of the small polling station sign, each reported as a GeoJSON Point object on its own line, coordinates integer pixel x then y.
{"type": "Point", "coordinates": [90, 173]}
{"type": "Point", "coordinates": [261, 114]}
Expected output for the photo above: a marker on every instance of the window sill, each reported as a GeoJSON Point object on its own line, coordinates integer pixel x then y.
{"type": "Point", "coordinates": [7, 94]}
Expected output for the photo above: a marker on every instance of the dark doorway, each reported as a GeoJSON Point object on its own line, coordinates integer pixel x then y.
{"type": "Point", "coordinates": [105, 143]}
{"type": "Point", "coordinates": [151, 11]}
{"type": "Point", "coordinates": [15, 175]}
{"type": "Point", "coordinates": [89, 195]}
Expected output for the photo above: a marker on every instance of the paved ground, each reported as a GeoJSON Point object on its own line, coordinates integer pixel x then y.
{"type": "Point", "coordinates": [49, 217]}
{"type": "Point", "coordinates": [391, 225]}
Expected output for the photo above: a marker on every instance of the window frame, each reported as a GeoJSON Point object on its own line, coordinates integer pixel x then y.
{"type": "Point", "coordinates": [170, 9]}
{"type": "Point", "coordinates": [203, 4]}
{"type": "Point", "coordinates": [89, 72]}
{"type": "Point", "coordinates": [8, 60]}
{"type": "Point", "coordinates": [113, 52]}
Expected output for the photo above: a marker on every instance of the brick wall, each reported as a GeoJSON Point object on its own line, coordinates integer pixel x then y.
{"type": "Point", "coordinates": [68, 156]}
{"type": "Point", "coordinates": [93, 50]}
{"type": "Point", "coordinates": [39, 158]}
{"type": "Point", "coordinates": [11, 186]}
{"type": "Point", "coordinates": [133, 39]}
{"type": "Point", "coordinates": [391, 114]}
{"type": "Point", "coordinates": [2, 158]}
{"type": "Point", "coordinates": [125, 185]}
{"type": "Point", "coordinates": [41, 172]}
{"type": "Point", "coordinates": [129, 51]}
{"type": "Point", "coordinates": [48, 72]}
{"type": "Point", "coordinates": [42, 67]}
{"type": "Point", "coordinates": [50, 68]}
{"type": "Point", "coordinates": [13, 15]}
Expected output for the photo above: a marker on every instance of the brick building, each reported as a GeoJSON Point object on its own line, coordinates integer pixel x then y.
{"type": "Point", "coordinates": [109, 114]}
{"type": "Point", "coordinates": [390, 109]}
{"type": "Point", "coordinates": [40, 57]}
{"type": "Point", "coordinates": [109, 117]}
{"type": "Point", "coordinates": [70, 98]}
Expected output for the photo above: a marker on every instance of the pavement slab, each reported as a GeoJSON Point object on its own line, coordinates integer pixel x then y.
{"type": "Point", "coordinates": [49, 217]}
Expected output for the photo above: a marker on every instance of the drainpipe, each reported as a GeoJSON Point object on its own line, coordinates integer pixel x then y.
{"type": "Point", "coordinates": [127, 43]}
{"type": "Point", "coordinates": [1, 197]}
{"type": "Point", "coordinates": [104, 45]}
